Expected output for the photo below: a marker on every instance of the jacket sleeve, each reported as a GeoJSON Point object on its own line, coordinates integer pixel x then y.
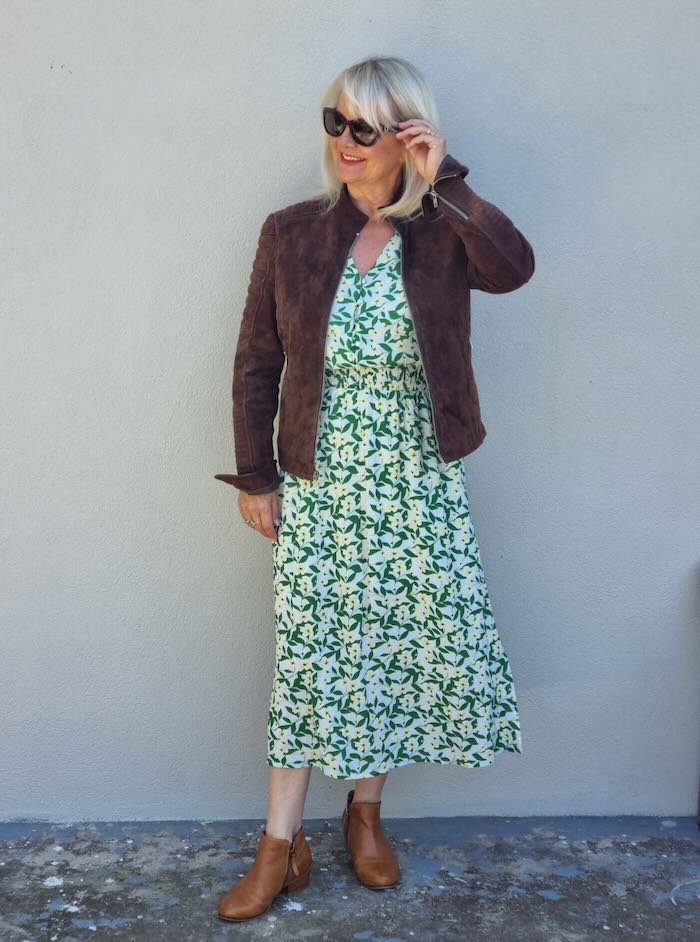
{"type": "Point", "coordinates": [257, 367]}
{"type": "Point", "coordinates": [499, 257]}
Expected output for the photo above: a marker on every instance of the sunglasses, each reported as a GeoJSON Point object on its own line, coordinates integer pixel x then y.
{"type": "Point", "coordinates": [362, 133]}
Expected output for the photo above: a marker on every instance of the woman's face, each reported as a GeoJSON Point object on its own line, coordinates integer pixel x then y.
{"type": "Point", "coordinates": [379, 162]}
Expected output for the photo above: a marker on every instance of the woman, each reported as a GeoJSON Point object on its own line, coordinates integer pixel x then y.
{"type": "Point", "coordinates": [387, 652]}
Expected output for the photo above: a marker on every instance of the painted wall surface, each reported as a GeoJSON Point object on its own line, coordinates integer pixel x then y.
{"type": "Point", "coordinates": [142, 145]}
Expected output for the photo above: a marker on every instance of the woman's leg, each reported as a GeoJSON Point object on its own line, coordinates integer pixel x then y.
{"type": "Point", "coordinates": [254, 892]}
{"type": "Point", "coordinates": [286, 796]}
{"type": "Point", "coordinates": [370, 789]}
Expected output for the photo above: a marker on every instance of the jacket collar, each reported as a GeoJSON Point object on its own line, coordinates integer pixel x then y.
{"type": "Point", "coordinates": [347, 209]}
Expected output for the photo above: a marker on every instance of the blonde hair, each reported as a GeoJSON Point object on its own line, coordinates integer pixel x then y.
{"type": "Point", "coordinates": [384, 90]}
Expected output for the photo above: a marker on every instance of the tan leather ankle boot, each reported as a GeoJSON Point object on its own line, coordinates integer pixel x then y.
{"type": "Point", "coordinates": [373, 859]}
{"type": "Point", "coordinates": [279, 866]}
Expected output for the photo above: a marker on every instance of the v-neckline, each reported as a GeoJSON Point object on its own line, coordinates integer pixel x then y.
{"type": "Point", "coordinates": [374, 263]}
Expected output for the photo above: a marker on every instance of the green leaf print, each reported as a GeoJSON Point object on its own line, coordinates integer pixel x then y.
{"type": "Point", "coordinates": [387, 651]}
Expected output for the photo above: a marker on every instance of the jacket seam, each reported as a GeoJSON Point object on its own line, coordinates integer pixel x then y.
{"type": "Point", "coordinates": [248, 345]}
{"type": "Point", "coordinates": [474, 220]}
{"type": "Point", "coordinates": [312, 210]}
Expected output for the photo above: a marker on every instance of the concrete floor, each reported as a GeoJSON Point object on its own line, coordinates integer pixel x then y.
{"type": "Point", "coordinates": [473, 879]}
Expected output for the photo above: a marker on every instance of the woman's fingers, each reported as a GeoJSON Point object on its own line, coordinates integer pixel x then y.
{"type": "Point", "coordinates": [417, 126]}
{"type": "Point", "coordinates": [267, 527]}
{"type": "Point", "coordinates": [426, 146]}
{"type": "Point", "coordinates": [263, 512]}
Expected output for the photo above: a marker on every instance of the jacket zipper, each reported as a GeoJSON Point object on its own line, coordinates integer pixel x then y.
{"type": "Point", "coordinates": [323, 374]}
{"type": "Point", "coordinates": [435, 196]}
{"type": "Point", "coordinates": [420, 352]}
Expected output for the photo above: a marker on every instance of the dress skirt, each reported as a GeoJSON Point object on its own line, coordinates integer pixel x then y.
{"type": "Point", "coordinates": [387, 651]}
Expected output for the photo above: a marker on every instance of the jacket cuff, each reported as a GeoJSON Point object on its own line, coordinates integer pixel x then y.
{"type": "Point", "coordinates": [254, 481]}
{"type": "Point", "coordinates": [265, 490]}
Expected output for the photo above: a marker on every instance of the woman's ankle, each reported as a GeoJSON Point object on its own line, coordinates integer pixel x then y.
{"type": "Point", "coordinates": [282, 831]}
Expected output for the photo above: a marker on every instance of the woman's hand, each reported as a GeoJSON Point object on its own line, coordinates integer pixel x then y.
{"type": "Point", "coordinates": [261, 512]}
{"type": "Point", "coordinates": [426, 149]}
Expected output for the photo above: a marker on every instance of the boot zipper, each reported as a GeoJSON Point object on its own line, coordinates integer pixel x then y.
{"type": "Point", "coordinates": [323, 374]}
{"type": "Point", "coordinates": [435, 196]}
{"type": "Point", "coordinates": [420, 354]}
{"type": "Point", "coordinates": [291, 860]}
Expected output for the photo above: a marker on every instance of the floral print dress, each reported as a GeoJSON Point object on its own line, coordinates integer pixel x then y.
{"type": "Point", "coordinates": [387, 652]}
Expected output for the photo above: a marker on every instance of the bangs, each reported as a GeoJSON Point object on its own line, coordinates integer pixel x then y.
{"type": "Point", "coordinates": [371, 98]}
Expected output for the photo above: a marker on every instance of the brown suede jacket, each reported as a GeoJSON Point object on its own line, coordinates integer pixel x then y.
{"type": "Point", "coordinates": [459, 241]}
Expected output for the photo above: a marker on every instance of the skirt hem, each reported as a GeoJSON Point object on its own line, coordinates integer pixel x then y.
{"type": "Point", "coordinates": [387, 766]}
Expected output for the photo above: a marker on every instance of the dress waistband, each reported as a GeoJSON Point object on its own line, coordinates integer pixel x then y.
{"type": "Point", "coordinates": [392, 378]}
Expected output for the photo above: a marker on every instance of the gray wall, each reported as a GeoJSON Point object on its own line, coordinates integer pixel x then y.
{"type": "Point", "coordinates": [142, 146]}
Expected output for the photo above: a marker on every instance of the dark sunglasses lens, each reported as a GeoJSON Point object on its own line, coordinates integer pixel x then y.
{"type": "Point", "coordinates": [365, 133]}
{"type": "Point", "coordinates": [333, 122]}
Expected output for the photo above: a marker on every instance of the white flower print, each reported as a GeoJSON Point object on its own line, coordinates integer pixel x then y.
{"type": "Point", "coordinates": [387, 650]}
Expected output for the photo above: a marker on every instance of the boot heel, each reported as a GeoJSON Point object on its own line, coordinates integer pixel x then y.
{"type": "Point", "coordinates": [298, 883]}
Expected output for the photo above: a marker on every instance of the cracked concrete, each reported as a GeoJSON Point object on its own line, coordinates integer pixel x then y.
{"type": "Point", "coordinates": [569, 879]}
